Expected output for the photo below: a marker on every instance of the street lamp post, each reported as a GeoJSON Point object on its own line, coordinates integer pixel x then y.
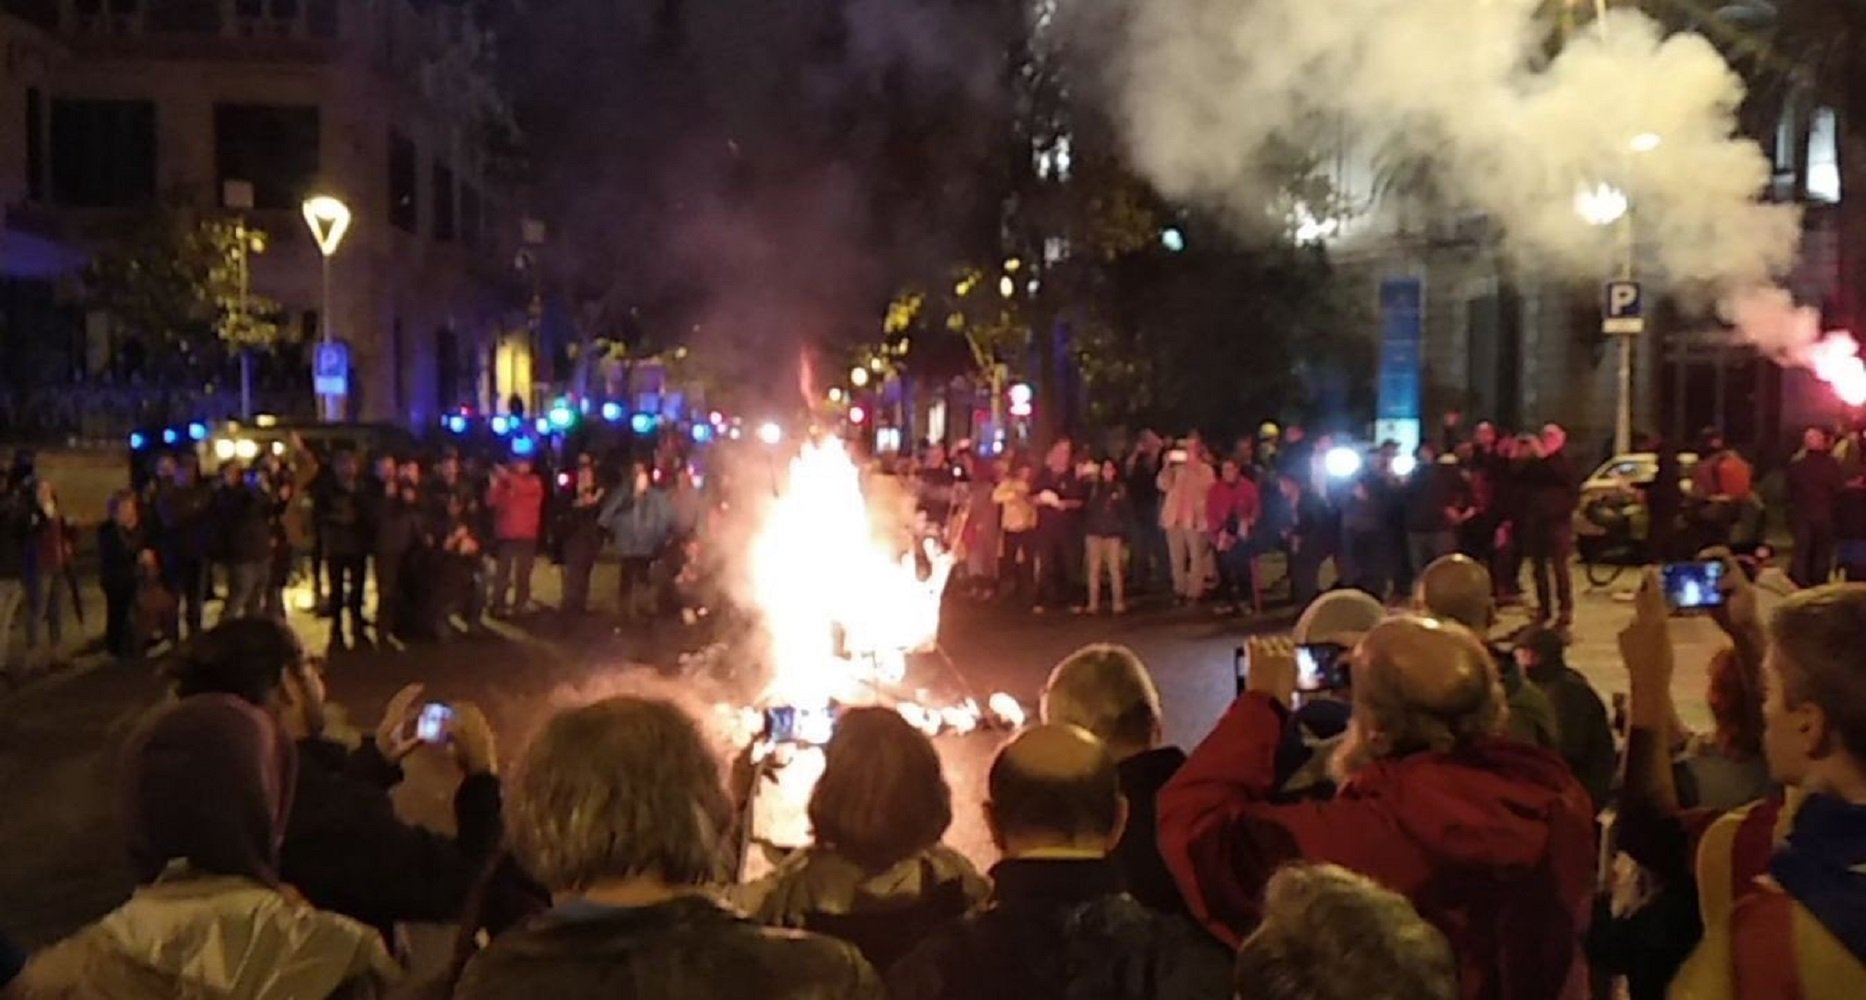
{"type": "Point", "coordinates": [1604, 205]}
{"type": "Point", "coordinates": [328, 219]}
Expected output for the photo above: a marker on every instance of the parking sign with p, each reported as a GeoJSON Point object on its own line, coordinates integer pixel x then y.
{"type": "Point", "coordinates": [1623, 308]}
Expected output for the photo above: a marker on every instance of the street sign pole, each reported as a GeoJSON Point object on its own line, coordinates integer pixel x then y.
{"type": "Point", "coordinates": [1623, 318]}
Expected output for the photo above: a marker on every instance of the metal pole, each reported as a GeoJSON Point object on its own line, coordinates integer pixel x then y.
{"type": "Point", "coordinates": [325, 406]}
{"type": "Point", "coordinates": [246, 349]}
{"type": "Point", "coordinates": [1623, 408]}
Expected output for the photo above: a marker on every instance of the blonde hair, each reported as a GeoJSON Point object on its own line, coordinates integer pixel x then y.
{"type": "Point", "coordinates": [1105, 689]}
{"type": "Point", "coordinates": [619, 788]}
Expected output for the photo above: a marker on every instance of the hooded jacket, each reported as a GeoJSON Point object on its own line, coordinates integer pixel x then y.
{"type": "Point", "coordinates": [1493, 842]}
{"type": "Point", "coordinates": [207, 787]}
{"type": "Point", "coordinates": [188, 936]}
{"type": "Point", "coordinates": [883, 913]}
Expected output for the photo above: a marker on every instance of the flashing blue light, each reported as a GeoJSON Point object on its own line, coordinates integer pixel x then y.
{"type": "Point", "coordinates": [456, 423]}
{"type": "Point", "coordinates": [524, 444]}
{"type": "Point", "coordinates": [501, 425]}
{"type": "Point", "coordinates": [562, 416]}
{"type": "Point", "coordinates": [197, 431]}
{"type": "Point", "coordinates": [612, 411]}
{"type": "Point", "coordinates": [641, 423]}
{"type": "Point", "coordinates": [702, 433]}
{"type": "Point", "coordinates": [138, 440]}
{"type": "Point", "coordinates": [542, 425]}
{"type": "Point", "coordinates": [169, 436]}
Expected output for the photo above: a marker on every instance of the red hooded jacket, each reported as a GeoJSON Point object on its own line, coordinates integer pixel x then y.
{"type": "Point", "coordinates": [1493, 843]}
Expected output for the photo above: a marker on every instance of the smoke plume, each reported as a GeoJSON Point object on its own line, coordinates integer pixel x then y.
{"type": "Point", "coordinates": [1467, 85]}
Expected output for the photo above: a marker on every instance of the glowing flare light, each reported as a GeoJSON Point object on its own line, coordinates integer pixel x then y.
{"type": "Point", "coordinates": [1836, 361]}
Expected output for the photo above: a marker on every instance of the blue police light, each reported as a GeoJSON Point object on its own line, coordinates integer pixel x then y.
{"type": "Point", "coordinates": [641, 423]}
{"type": "Point", "coordinates": [169, 436]}
{"type": "Point", "coordinates": [562, 416]}
{"type": "Point", "coordinates": [138, 440]}
{"type": "Point", "coordinates": [456, 423]}
{"type": "Point", "coordinates": [541, 425]}
{"type": "Point", "coordinates": [524, 445]}
{"type": "Point", "coordinates": [197, 431]}
{"type": "Point", "coordinates": [501, 425]}
{"type": "Point", "coordinates": [612, 411]}
{"type": "Point", "coordinates": [702, 433]}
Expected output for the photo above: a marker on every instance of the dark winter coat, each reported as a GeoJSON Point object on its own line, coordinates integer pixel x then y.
{"type": "Point", "coordinates": [343, 517]}
{"type": "Point", "coordinates": [1143, 871]}
{"type": "Point", "coordinates": [1109, 513]}
{"type": "Point", "coordinates": [347, 851]}
{"type": "Point", "coordinates": [1553, 489]}
{"type": "Point", "coordinates": [691, 948]}
{"type": "Point", "coordinates": [1585, 736]}
{"type": "Point", "coordinates": [1814, 484]}
{"type": "Point", "coordinates": [1063, 928]}
{"type": "Point", "coordinates": [241, 525]}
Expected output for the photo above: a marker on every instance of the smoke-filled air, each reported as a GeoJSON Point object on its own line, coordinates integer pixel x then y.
{"type": "Point", "coordinates": [1199, 87]}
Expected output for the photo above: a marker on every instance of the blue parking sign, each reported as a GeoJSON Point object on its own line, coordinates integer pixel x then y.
{"type": "Point", "coordinates": [330, 369]}
{"type": "Point", "coordinates": [1622, 308]}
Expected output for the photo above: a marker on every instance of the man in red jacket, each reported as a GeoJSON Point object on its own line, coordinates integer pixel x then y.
{"type": "Point", "coordinates": [517, 502]}
{"type": "Point", "coordinates": [1491, 839]}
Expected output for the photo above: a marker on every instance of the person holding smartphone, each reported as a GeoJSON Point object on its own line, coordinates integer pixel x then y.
{"type": "Point", "coordinates": [345, 849]}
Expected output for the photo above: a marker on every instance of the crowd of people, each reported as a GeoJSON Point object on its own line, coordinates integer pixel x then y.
{"type": "Point", "coordinates": [445, 540]}
{"type": "Point", "coordinates": [1396, 832]}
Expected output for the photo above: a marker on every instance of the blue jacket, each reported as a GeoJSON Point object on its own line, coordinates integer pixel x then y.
{"type": "Point", "coordinates": [638, 526]}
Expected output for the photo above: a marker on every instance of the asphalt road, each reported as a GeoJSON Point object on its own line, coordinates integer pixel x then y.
{"type": "Point", "coordinates": [59, 856]}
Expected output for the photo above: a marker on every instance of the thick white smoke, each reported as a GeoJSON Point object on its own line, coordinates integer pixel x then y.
{"type": "Point", "coordinates": [1467, 85]}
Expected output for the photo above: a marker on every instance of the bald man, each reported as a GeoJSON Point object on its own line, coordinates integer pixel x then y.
{"type": "Point", "coordinates": [1457, 588]}
{"type": "Point", "coordinates": [1059, 923]}
{"type": "Point", "coordinates": [1482, 833]}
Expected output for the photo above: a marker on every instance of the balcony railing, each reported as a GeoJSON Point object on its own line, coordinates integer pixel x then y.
{"type": "Point", "coordinates": [308, 20]}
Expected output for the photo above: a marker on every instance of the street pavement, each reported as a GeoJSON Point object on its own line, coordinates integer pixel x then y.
{"type": "Point", "coordinates": [60, 861]}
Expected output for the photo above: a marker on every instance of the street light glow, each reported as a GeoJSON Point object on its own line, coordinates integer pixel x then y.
{"type": "Point", "coordinates": [1646, 142]}
{"type": "Point", "coordinates": [770, 433]}
{"type": "Point", "coordinates": [328, 219]}
{"type": "Point", "coordinates": [1007, 287]}
{"type": "Point", "coordinates": [858, 376]}
{"type": "Point", "coordinates": [1600, 205]}
{"type": "Point", "coordinates": [1342, 463]}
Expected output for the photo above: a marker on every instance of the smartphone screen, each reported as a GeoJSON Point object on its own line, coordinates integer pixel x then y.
{"type": "Point", "coordinates": [1177, 456]}
{"type": "Point", "coordinates": [431, 725]}
{"type": "Point", "coordinates": [791, 724]}
{"type": "Point", "coordinates": [1691, 586]}
{"type": "Point", "coordinates": [1321, 666]}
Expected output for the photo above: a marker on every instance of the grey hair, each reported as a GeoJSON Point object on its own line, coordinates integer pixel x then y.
{"type": "Point", "coordinates": [618, 788]}
{"type": "Point", "coordinates": [1105, 689]}
{"type": "Point", "coordinates": [1330, 934]}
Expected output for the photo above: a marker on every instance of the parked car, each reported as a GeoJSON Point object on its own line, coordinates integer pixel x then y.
{"type": "Point", "coordinates": [1612, 516]}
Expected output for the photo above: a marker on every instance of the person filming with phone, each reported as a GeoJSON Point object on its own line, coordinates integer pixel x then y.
{"type": "Point", "coordinates": [345, 848]}
{"type": "Point", "coordinates": [1492, 839]}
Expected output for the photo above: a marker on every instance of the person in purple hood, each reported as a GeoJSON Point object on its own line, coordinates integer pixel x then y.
{"type": "Point", "coordinates": [206, 792]}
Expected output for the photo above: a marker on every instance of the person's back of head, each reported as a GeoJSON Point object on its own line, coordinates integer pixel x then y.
{"type": "Point", "coordinates": [882, 797]}
{"type": "Point", "coordinates": [1339, 616]}
{"type": "Point", "coordinates": [1420, 684]}
{"type": "Point", "coordinates": [246, 658]}
{"type": "Point", "coordinates": [1457, 588]}
{"type": "Point", "coordinates": [621, 789]}
{"type": "Point", "coordinates": [1330, 934]}
{"type": "Point", "coordinates": [1105, 689]}
{"type": "Point", "coordinates": [207, 781]}
{"type": "Point", "coordinates": [1054, 787]}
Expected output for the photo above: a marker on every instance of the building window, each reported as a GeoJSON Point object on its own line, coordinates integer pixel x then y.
{"type": "Point", "coordinates": [403, 184]}
{"type": "Point", "coordinates": [1824, 157]}
{"type": "Point", "coordinates": [443, 202]}
{"type": "Point", "coordinates": [194, 17]}
{"type": "Point", "coordinates": [273, 148]}
{"type": "Point", "coordinates": [35, 144]}
{"type": "Point", "coordinates": [103, 153]}
{"type": "Point", "coordinates": [470, 213]}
